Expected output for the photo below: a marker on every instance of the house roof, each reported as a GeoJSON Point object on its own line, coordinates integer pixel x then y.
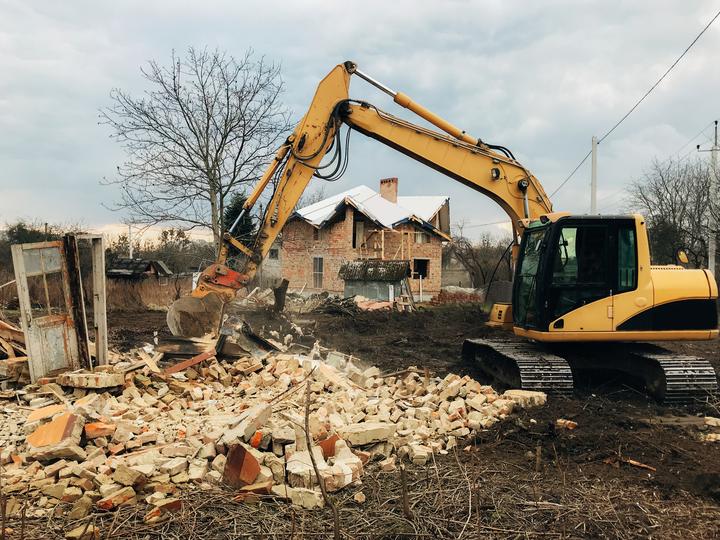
{"type": "Point", "coordinates": [374, 270]}
{"type": "Point", "coordinates": [423, 206]}
{"type": "Point", "coordinates": [376, 208]}
{"type": "Point", "coordinates": [125, 267]}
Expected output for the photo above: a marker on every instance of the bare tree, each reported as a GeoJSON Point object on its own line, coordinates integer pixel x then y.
{"type": "Point", "coordinates": [674, 198]}
{"type": "Point", "coordinates": [207, 127]}
{"type": "Point", "coordinates": [309, 198]}
{"type": "Point", "coordinates": [481, 258]}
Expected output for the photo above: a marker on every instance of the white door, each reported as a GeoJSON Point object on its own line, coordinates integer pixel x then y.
{"type": "Point", "coordinates": [50, 337]}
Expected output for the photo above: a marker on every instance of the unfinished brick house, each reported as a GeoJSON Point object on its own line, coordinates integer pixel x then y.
{"type": "Point", "coordinates": [363, 224]}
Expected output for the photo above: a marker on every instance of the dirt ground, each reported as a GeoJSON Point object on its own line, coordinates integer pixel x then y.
{"type": "Point", "coordinates": [524, 478]}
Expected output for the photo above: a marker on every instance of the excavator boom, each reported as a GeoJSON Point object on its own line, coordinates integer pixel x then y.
{"type": "Point", "coordinates": [491, 170]}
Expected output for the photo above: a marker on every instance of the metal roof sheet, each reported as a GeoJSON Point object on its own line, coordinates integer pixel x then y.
{"type": "Point", "coordinates": [136, 267]}
{"type": "Point", "coordinates": [375, 207]}
{"type": "Point", "coordinates": [423, 206]}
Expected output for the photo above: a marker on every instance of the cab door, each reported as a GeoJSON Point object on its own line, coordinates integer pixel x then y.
{"type": "Point", "coordinates": [579, 294]}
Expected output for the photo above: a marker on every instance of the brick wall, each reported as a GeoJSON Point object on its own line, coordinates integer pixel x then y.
{"type": "Point", "coordinates": [299, 247]}
{"type": "Point", "coordinates": [335, 246]}
{"type": "Point", "coordinates": [402, 243]}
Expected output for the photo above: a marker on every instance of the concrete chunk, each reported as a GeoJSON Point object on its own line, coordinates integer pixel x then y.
{"type": "Point", "coordinates": [367, 432]}
{"type": "Point", "coordinates": [307, 498]}
{"type": "Point", "coordinates": [174, 466]}
{"type": "Point", "coordinates": [126, 476]}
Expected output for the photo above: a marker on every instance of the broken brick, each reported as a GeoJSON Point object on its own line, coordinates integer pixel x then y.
{"type": "Point", "coordinates": [59, 438]}
{"type": "Point", "coordinates": [241, 467]}
{"type": "Point", "coordinates": [123, 496]}
{"type": "Point", "coordinates": [93, 430]}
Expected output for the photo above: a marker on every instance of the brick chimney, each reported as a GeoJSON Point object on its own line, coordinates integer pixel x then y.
{"type": "Point", "coordinates": [389, 189]}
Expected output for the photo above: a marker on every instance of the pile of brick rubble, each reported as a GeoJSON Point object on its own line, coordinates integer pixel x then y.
{"type": "Point", "coordinates": [97, 441]}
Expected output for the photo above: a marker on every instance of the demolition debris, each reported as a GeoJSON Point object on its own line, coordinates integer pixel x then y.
{"type": "Point", "coordinates": [135, 432]}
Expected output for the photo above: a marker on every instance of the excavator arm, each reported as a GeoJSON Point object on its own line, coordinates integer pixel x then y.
{"type": "Point", "coordinates": [491, 170]}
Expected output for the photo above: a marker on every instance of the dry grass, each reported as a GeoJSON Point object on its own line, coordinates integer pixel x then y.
{"type": "Point", "coordinates": [458, 496]}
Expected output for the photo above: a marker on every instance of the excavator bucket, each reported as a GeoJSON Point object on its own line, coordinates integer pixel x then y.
{"type": "Point", "coordinates": [192, 316]}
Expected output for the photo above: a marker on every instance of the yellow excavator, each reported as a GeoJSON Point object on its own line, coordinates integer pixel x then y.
{"type": "Point", "coordinates": [577, 278]}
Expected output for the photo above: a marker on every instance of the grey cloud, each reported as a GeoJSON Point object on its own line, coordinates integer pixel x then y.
{"type": "Point", "coordinates": [539, 77]}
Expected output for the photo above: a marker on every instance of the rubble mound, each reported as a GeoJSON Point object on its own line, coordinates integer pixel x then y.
{"type": "Point", "coordinates": [124, 434]}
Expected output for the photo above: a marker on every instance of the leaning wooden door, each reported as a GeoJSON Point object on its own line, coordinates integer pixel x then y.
{"type": "Point", "coordinates": [42, 281]}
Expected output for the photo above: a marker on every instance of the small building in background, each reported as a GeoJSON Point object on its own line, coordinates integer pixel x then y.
{"type": "Point", "coordinates": [363, 224]}
{"type": "Point", "coordinates": [137, 269]}
{"type": "Point", "coordinates": [454, 273]}
{"type": "Point", "coordinates": [374, 279]}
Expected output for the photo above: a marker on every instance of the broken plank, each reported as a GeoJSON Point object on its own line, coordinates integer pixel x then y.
{"type": "Point", "coordinates": [191, 362]}
{"type": "Point", "coordinates": [9, 349]}
{"type": "Point", "coordinates": [12, 333]}
{"type": "Point", "coordinates": [151, 361]}
{"type": "Point", "coordinates": [183, 346]}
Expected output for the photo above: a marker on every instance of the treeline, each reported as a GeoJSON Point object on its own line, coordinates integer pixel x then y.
{"type": "Point", "coordinates": [173, 246]}
{"type": "Point", "coordinates": [674, 197]}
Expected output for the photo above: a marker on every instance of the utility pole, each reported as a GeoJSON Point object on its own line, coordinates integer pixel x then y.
{"type": "Point", "coordinates": [130, 246]}
{"type": "Point", "coordinates": [593, 178]}
{"type": "Point", "coordinates": [712, 200]}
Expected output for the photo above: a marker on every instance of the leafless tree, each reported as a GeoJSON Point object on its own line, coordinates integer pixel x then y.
{"type": "Point", "coordinates": [480, 258]}
{"type": "Point", "coordinates": [674, 198]}
{"type": "Point", "coordinates": [205, 129]}
{"type": "Point", "coordinates": [313, 197]}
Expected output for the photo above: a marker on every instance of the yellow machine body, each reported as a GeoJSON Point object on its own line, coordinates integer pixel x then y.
{"type": "Point", "coordinates": [666, 303]}
{"type": "Point", "coordinates": [500, 316]}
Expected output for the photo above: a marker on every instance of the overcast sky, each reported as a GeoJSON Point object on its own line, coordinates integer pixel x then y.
{"type": "Point", "coordinates": [538, 77]}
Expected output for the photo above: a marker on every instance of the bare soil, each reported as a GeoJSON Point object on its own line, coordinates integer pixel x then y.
{"type": "Point", "coordinates": [525, 477]}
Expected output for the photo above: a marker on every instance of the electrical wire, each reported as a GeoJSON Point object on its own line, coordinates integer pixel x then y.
{"type": "Point", "coordinates": [638, 102]}
{"type": "Point", "coordinates": [646, 94]}
{"type": "Point", "coordinates": [486, 224]}
{"type": "Point", "coordinates": [569, 176]}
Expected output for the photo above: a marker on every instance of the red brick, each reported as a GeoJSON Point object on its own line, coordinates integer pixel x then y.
{"type": "Point", "coordinates": [94, 430]}
{"type": "Point", "coordinates": [328, 445]}
{"type": "Point", "coordinates": [241, 467]}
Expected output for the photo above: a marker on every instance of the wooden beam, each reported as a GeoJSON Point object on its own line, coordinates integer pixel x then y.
{"type": "Point", "coordinates": [191, 362]}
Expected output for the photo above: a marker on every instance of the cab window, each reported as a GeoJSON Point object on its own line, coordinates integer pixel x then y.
{"type": "Point", "coordinates": [627, 259]}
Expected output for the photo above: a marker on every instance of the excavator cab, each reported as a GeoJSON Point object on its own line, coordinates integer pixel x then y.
{"type": "Point", "coordinates": [586, 278]}
{"type": "Point", "coordinates": [570, 263]}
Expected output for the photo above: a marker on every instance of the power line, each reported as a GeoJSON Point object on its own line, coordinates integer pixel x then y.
{"type": "Point", "coordinates": [486, 224]}
{"type": "Point", "coordinates": [679, 159]}
{"type": "Point", "coordinates": [569, 176]}
{"type": "Point", "coordinates": [693, 138]}
{"type": "Point", "coordinates": [675, 63]}
{"type": "Point", "coordinates": [635, 106]}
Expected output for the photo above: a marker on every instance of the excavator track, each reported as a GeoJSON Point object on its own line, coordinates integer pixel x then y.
{"type": "Point", "coordinates": [671, 378]}
{"type": "Point", "coordinates": [687, 379]}
{"type": "Point", "coordinates": [521, 365]}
